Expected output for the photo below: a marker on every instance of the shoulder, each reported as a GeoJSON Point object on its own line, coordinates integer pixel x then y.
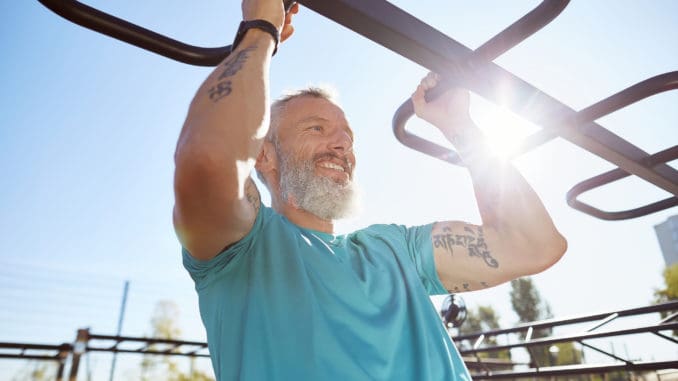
{"type": "Point", "coordinates": [394, 232]}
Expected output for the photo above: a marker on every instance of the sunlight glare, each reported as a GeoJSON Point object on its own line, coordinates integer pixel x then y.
{"type": "Point", "coordinates": [504, 129]}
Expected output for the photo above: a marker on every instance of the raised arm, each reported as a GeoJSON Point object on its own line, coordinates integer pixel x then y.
{"type": "Point", "coordinates": [216, 201]}
{"type": "Point", "coordinates": [517, 236]}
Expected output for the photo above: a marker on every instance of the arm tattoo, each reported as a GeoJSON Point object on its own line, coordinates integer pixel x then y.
{"type": "Point", "coordinates": [472, 240]}
{"type": "Point", "coordinates": [232, 66]}
{"type": "Point", "coordinates": [466, 286]}
{"type": "Point", "coordinates": [252, 195]}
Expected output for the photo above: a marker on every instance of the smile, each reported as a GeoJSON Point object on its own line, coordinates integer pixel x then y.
{"type": "Point", "coordinates": [330, 165]}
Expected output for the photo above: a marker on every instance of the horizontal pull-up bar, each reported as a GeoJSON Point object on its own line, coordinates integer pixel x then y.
{"type": "Point", "coordinates": [399, 31]}
{"type": "Point", "coordinates": [517, 32]}
{"type": "Point", "coordinates": [123, 30]}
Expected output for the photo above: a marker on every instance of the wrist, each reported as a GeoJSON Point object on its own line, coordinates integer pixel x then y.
{"type": "Point", "coordinates": [470, 144]}
{"type": "Point", "coordinates": [257, 29]}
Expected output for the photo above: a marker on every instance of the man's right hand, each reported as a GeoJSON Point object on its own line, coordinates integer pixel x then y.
{"type": "Point", "coordinates": [272, 11]}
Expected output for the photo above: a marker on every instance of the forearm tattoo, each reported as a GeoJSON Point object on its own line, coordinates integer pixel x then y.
{"type": "Point", "coordinates": [252, 195]}
{"type": "Point", "coordinates": [472, 240]}
{"type": "Point", "coordinates": [232, 66]}
{"type": "Point", "coordinates": [466, 286]}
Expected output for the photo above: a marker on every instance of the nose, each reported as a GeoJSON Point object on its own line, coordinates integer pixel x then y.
{"type": "Point", "coordinates": [341, 141]}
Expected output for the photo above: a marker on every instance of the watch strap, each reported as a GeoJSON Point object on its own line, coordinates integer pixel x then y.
{"type": "Point", "coordinates": [257, 24]}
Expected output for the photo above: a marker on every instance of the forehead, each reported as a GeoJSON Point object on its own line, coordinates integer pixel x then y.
{"type": "Point", "coordinates": [308, 110]}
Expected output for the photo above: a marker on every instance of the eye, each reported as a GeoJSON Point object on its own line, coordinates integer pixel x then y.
{"type": "Point", "coordinates": [316, 128]}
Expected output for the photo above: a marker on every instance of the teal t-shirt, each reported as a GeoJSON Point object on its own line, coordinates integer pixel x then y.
{"type": "Point", "coordinates": [288, 303]}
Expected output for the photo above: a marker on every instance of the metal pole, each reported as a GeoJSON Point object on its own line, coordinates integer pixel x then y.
{"type": "Point", "coordinates": [120, 318]}
{"type": "Point", "coordinates": [79, 348]}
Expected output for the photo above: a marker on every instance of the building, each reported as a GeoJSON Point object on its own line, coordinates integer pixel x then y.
{"type": "Point", "coordinates": [667, 234]}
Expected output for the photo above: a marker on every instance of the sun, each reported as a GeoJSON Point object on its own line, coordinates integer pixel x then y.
{"type": "Point", "coordinates": [504, 129]}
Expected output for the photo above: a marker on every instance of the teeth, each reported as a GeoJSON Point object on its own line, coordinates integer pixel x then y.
{"type": "Point", "coordinates": [332, 166]}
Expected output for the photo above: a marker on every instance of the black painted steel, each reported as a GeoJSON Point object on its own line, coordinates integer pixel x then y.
{"type": "Point", "coordinates": [618, 174]}
{"type": "Point", "coordinates": [520, 337]}
{"type": "Point", "coordinates": [517, 32]}
{"type": "Point", "coordinates": [136, 35]}
{"type": "Point", "coordinates": [493, 368]}
{"type": "Point", "coordinates": [399, 31]}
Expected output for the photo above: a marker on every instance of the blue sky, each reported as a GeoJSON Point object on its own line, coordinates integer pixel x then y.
{"type": "Point", "coordinates": [88, 126]}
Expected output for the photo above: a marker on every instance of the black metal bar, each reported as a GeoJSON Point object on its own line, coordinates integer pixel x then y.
{"type": "Point", "coordinates": [603, 352]}
{"type": "Point", "coordinates": [145, 340]}
{"type": "Point", "coordinates": [526, 26]}
{"type": "Point", "coordinates": [550, 323]}
{"type": "Point", "coordinates": [578, 369]}
{"type": "Point", "coordinates": [406, 35]}
{"type": "Point", "coordinates": [25, 346]}
{"type": "Point", "coordinates": [122, 30]}
{"type": "Point", "coordinates": [28, 357]}
{"type": "Point", "coordinates": [601, 323]}
{"type": "Point", "coordinates": [639, 91]}
{"type": "Point", "coordinates": [577, 337]}
{"type": "Point", "coordinates": [669, 338]}
{"type": "Point", "coordinates": [79, 348]}
{"type": "Point", "coordinates": [437, 52]}
{"type": "Point", "coordinates": [149, 352]}
{"type": "Point", "coordinates": [618, 174]}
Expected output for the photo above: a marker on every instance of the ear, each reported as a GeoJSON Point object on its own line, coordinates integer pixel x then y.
{"type": "Point", "coordinates": [267, 160]}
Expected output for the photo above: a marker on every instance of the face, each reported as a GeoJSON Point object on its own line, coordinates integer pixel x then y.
{"type": "Point", "coordinates": [315, 157]}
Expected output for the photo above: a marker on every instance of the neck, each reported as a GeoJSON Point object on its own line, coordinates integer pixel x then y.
{"type": "Point", "coordinates": [303, 218]}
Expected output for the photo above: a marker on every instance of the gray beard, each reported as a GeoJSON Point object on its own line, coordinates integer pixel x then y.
{"type": "Point", "coordinates": [318, 195]}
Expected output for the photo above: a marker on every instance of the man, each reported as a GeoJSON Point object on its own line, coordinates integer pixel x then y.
{"type": "Point", "coordinates": [281, 296]}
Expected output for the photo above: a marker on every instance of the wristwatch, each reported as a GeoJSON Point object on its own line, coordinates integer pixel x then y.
{"type": "Point", "coordinates": [258, 24]}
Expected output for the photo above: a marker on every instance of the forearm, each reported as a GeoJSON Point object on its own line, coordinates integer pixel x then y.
{"type": "Point", "coordinates": [506, 201]}
{"type": "Point", "coordinates": [228, 116]}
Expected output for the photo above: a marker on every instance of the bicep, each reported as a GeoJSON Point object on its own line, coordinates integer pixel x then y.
{"type": "Point", "coordinates": [207, 219]}
{"type": "Point", "coordinates": [471, 257]}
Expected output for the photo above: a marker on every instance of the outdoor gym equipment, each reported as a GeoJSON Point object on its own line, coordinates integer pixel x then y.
{"type": "Point", "coordinates": [399, 31]}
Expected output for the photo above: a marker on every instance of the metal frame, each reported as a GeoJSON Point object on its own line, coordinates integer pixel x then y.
{"type": "Point", "coordinates": [399, 31]}
{"type": "Point", "coordinates": [470, 346]}
{"type": "Point", "coordinates": [87, 342]}
{"type": "Point", "coordinates": [43, 352]}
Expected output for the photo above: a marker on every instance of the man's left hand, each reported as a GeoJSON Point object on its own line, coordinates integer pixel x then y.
{"type": "Point", "coordinates": [449, 112]}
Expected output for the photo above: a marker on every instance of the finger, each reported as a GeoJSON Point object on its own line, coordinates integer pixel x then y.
{"type": "Point", "coordinates": [429, 82]}
{"type": "Point", "coordinates": [287, 31]}
{"type": "Point", "coordinates": [418, 97]}
{"type": "Point", "coordinates": [294, 9]}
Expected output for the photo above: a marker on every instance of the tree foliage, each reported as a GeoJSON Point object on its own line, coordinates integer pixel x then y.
{"type": "Point", "coordinates": [481, 319]}
{"type": "Point", "coordinates": [670, 290]}
{"type": "Point", "coordinates": [164, 325]}
{"type": "Point", "coordinates": [36, 371]}
{"type": "Point", "coordinates": [529, 306]}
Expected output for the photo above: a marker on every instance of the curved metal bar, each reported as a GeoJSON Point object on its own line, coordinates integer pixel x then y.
{"type": "Point", "coordinates": [618, 174]}
{"type": "Point", "coordinates": [122, 30]}
{"type": "Point", "coordinates": [517, 32]}
{"type": "Point", "coordinates": [641, 90]}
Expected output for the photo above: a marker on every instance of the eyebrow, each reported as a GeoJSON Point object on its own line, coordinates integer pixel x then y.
{"type": "Point", "coordinates": [316, 118]}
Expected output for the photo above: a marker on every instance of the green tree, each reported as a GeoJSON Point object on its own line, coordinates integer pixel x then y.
{"type": "Point", "coordinates": [529, 306]}
{"type": "Point", "coordinates": [482, 319]}
{"type": "Point", "coordinates": [36, 371]}
{"type": "Point", "coordinates": [670, 290]}
{"type": "Point", "coordinates": [164, 325]}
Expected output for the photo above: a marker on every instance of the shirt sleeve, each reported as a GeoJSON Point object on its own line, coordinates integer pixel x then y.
{"type": "Point", "coordinates": [204, 271]}
{"type": "Point", "coordinates": [420, 251]}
